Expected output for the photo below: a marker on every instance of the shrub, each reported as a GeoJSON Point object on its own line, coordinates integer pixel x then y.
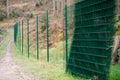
{"type": "Point", "coordinates": [4, 2]}
{"type": "Point", "coordinates": [14, 14]}
{"type": "Point", "coordinates": [43, 23]}
{"type": "Point", "coordinates": [37, 4]}
{"type": "Point", "coordinates": [117, 17]}
{"type": "Point", "coordinates": [30, 15]}
{"type": "Point", "coordinates": [40, 2]}
{"type": "Point", "coordinates": [23, 10]}
{"type": "Point", "coordinates": [2, 16]}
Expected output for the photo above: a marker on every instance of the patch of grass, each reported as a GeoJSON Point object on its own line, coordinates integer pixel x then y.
{"type": "Point", "coordinates": [1, 36]}
{"type": "Point", "coordinates": [4, 44]}
{"type": "Point", "coordinates": [54, 70]}
{"type": "Point", "coordinates": [115, 72]}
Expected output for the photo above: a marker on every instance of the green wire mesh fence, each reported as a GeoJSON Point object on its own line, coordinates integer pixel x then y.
{"type": "Point", "coordinates": [40, 35]}
{"type": "Point", "coordinates": [88, 35]}
{"type": "Point", "coordinates": [91, 50]}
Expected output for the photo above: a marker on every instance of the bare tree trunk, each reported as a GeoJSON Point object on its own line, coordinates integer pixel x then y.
{"type": "Point", "coordinates": [57, 7]}
{"type": "Point", "coordinates": [7, 8]}
{"type": "Point", "coordinates": [54, 6]}
{"type": "Point", "coordinates": [115, 49]}
{"type": "Point", "coordinates": [64, 2]}
{"type": "Point", "coordinates": [61, 7]}
{"type": "Point", "coordinates": [68, 2]}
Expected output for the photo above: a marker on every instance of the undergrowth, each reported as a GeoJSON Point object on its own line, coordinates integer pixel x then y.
{"type": "Point", "coordinates": [53, 70]}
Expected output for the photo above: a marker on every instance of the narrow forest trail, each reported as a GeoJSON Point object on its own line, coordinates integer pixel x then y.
{"type": "Point", "coordinates": [9, 70]}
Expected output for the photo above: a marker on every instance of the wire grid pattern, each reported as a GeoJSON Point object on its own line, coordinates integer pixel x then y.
{"type": "Point", "coordinates": [91, 50]}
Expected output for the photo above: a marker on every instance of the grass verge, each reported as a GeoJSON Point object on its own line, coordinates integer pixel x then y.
{"type": "Point", "coordinates": [54, 70]}
{"type": "Point", "coordinates": [0, 36]}
{"type": "Point", "coordinates": [4, 44]}
{"type": "Point", "coordinates": [115, 72]}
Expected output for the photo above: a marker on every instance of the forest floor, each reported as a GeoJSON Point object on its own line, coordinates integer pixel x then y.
{"type": "Point", "coordinates": [9, 70]}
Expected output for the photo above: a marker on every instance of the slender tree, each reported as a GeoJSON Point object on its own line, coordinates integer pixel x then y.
{"type": "Point", "coordinates": [7, 8]}
{"type": "Point", "coordinates": [6, 4]}
{"type": "Point", "coordinates": [53, 7]}
{"type": "Point", "coordinates": [68, 2]}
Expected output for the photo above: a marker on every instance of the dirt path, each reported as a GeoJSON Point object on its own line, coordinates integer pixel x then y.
{"type": "Point", "coordinates": [9, 70]}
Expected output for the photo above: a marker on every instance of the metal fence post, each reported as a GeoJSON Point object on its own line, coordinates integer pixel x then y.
{"type": "Point", "coordinates": [15, 33]}
{"type": "Point", "coordinates": [37, 38]}
{"type": "Point", "coordinates": [47, 35]}
{"type": "Point", "coordinates": [66, 36]}
{"type": "Point", "coordinates": [19, 38]}
{"type": "Point", "coordinates": [22, 37]}
{"type": "Point", "coordinates": [28, 38]}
